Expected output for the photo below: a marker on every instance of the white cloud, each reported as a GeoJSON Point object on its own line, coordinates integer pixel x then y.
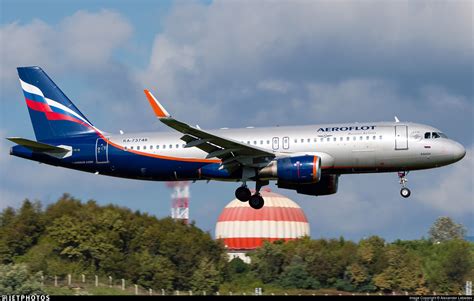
{"type": "Point", "coordinates": [84, 41]}
{"type": "Point", "coordinates": [276, 86]}
{"type": "Point", "coordinates": [229, 37]}
{"type": "Point", "coordinates": [24, 45]}
{"type": "Point", "coordinates": [442, 99]}
{"type": "Point", "coordinates": [324, 54]}
{"type": "Point", "coordinates": [451, 192]}
{"type": "Point", "coordinates": [90, 38]}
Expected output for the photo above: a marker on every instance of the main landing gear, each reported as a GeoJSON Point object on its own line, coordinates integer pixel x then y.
{"type": "Point", "coordinates": [404, 192]}
{"type": "Point", "coordinates": [243, 193]}
{"type": "Point", "coordinates": [256, 200]}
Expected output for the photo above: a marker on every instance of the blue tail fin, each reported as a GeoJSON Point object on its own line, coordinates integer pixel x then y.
{"type": "Point", "coordinates": [52, 114]}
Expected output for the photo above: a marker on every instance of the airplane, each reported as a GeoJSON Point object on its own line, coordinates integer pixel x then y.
{"type": "Point", "coordinates": [309, 159]}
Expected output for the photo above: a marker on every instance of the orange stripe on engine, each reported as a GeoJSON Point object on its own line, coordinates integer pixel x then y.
{"type": "Point", "coordinates": [314, 167]}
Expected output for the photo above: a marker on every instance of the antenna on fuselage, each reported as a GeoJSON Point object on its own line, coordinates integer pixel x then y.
{"type": "Point", "coordinates": [396, 119]}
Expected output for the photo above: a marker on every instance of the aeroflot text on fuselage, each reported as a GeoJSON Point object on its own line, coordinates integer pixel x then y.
{"type": "Point", "coordinates": [347, 128]}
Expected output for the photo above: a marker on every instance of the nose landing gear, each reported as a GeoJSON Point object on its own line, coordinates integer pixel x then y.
{"type": "Point", "coordinates": [404, 192]}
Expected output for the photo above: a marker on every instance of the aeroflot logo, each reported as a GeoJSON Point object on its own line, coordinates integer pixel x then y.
{"type": "Point", "coordinates": [347, 128]}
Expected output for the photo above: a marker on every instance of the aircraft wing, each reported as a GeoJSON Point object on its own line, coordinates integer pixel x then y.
{"type": "Point", "coordinates": [230, 151]}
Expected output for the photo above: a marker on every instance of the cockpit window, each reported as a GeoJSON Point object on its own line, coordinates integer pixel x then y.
{"type": "Point", "coordinates": [434, 135]}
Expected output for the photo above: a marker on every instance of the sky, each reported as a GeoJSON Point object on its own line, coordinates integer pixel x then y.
{"type": "Point", "coordinates": [250, 63]}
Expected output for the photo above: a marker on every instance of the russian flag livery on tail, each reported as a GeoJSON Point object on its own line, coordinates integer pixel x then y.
{"type": "Point", "coordinates": [53, 115]}
{"type": "Point", "coordinates": [308, 159]}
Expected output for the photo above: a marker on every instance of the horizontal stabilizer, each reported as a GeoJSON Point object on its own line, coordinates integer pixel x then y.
{"type": "Point", "coordinates": [38, 146]}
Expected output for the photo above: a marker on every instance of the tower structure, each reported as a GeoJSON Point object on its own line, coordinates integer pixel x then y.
{"type": "Point", "coordinates": [179, 200]}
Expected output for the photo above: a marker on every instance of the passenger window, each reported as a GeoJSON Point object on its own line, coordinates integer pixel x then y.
{"type": "Point", "coordinates": [367, 138]}
{"type": "Point", "coordinates": [171, 145]}
{"type": "Point", "coordinates": [354, 138]}
{"type": "Point", "coordinates": [315, 140]}
{"type": "Point", "coordinates": [427, 135]}
{"type": "Point", "coordinates": [341, 139]}
{"type": "Point", "coordinates": [157, 147]}
{"type": "Point", "coordinates": [334, 139]}
{"type": "Point", "coordinates": [125, 147]}
{"type": "Point", "coordinates": [255, 142]}
{"type": "Point", "coordinates": [131, 147]}
{"type": "Point", "coordinates": [329, 139]}
{"type": "Point", "coordinates": [309, 140]}
{"type": "Point", "coordinates": [164, 146]}
{"type": "Point", "coordinates": [144, 147]}
{"type": "Point", "coordinates": [380, 137]}
{"type": "Point", "coordinates": [248, 142]}
{"type": "Point", "coordinates": [177, 145]}
{"type": "Point", "coordinates": [138, 147]}
{"type": "Point", "coordinates": [360, 138]}
{"type": "Point", "coordinates": [151, 146]}
{"type": "Point", "coordinates": [261, 141]}
{"type": "Point", "coordinates": [302, 140]}
{"type": "Point", "coordinates": [296, 140]}
{"type": "Point", "coordinates": [374, 137]}
{"type": "Point", "coordinates": [268, 141]}
{"type": "Point", "coordinates": [348, 138]}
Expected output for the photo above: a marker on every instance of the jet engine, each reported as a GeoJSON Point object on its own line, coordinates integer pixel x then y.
{"type": "Point", "coordinates": [295, 170]}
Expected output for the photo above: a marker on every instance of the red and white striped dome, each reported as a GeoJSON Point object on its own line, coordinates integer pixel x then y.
{"type": "Point", "coordinates": [244, 228]}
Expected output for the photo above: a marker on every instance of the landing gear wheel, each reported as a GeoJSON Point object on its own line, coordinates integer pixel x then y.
{"type": "Point", "coordinates": [405, 192]}
{"type": "Point", "coordinates": [256, 201]}
{"type": "Point", "coordinates": [243, 193]}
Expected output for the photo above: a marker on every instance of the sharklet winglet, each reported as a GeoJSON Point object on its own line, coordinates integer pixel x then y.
{"type": "Point", "coordinates": [159, 110]}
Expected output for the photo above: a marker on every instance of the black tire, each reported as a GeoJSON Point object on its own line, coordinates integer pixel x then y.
{"type": "Point", "coordinates": [243, 194]}
{"type": "Point", "coordinates": [256, 201]}
{"type": "Point", "coordinates": [405, 192]}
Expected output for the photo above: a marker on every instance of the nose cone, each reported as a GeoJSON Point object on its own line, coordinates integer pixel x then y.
{"type": "Point", "coordinates": [458, 151]}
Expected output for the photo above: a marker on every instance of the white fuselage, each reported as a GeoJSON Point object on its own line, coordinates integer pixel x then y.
{"type": "Point", "coordinates": [343, 148]}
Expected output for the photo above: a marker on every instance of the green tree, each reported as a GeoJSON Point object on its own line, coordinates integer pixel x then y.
{"type": "Point", "coordinates": [205, 277]}
{"type": "Point", "coordinates": [235, 268]}
{"type": "Point", "coordinates": [156, 272]}
{"type": "Point", "coordinates": [403, 273]}
{"type": "Point", "coordinates": [327, 259]}
{"type": "Point", "coordinates": [449, 265]}
{"type": "Point", "coordinates": [295, 275]}
{"type": "Point", "coordinates": [27, 224]}
{"type": "Point", "coordinates": [357, 274]}
{"type": "Point", "coordinates": [15, 280]}
{"type": "Point", "coordinates": [267, 261]}
{"type": "Point", "coordinates": [444, 228]}
{"type": "Point", "coordinates": [7, 216]}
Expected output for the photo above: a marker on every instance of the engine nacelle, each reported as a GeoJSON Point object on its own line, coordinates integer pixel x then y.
{"type": "Point", "coordinates": [327, 185]}
{"type": "Point", "coordinates": [297, 170]}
